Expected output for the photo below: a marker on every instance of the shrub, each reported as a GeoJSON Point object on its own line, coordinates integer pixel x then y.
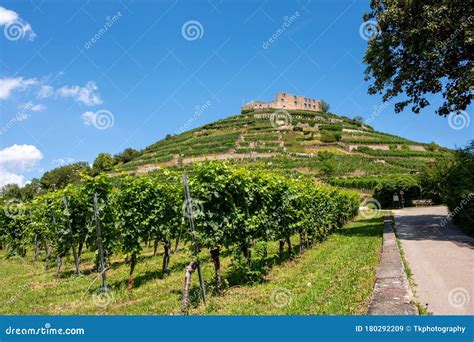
{"type": "Point", "coordinates": [388, 186]}
{"type": "Point", "coordinates": [329, 137]}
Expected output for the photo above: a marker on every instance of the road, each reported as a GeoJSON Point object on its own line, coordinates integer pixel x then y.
{"type": "Point", "coordinates": [441, 258]}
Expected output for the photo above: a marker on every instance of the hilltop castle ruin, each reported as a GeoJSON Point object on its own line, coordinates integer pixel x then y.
{"type": "Point", "coordinates": [286, 101]}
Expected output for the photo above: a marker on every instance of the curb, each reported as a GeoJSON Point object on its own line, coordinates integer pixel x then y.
{"type": "Point", "coordinates": [392, 294]}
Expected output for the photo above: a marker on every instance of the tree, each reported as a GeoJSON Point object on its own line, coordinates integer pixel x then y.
{"type": "Point", "coordinates": [452, 180]}
{"type": "Point", "coordinates": [421, 47]}
{"type": "Point", "coordinates": [61, 176]}
{"type": "Point", "coordinates": [127, 155]}
{"type": "Point", "coordinates": [325, 106]}
{"type": "Point", "coordinates": [103, 162]}
{"type": "Point", "coordinates": [31, 190]}
{"type": "Point", "coordinates": [11, 191]}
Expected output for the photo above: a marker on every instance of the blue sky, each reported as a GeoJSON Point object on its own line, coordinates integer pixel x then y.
{"type": "Point", "coordinates": [66, 96]}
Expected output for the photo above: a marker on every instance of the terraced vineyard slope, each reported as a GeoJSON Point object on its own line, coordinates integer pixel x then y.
{"type": "Point", "coordinates": [292, 141]}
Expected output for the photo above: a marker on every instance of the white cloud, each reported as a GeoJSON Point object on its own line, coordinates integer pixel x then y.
{"type": "Point", "coordinates": [86, 95]}
{"type": "Point", "coordinates": [16, 159]}
{"type": "Point", "coordinates": [20, 157]}
{"type": "Point", "coordinates": [30, 106]}
{"type": "Point", "coordinates": [38, 107]}
{"type": "Point", "coordinates": [45, 91]}
{"type": "Point", "coordinates": [8, 85]}
{"type": "Point", "coordinates": [15, 27]}
{"type": "Point", "coordinates": [7, 16]}
{"type": "Point", "coordinates": [62, 161]}
{"type": "Point", "coordinates": [10, 177]}
{"type": "Point", "coordinates": [89, 118]}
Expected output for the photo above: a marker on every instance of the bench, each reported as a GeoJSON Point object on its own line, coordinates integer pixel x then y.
{"type": "Point", "coordinates": [422, 202]}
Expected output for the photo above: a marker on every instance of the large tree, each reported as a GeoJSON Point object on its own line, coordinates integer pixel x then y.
{"type": "Point", "coordinates": [421, 47]}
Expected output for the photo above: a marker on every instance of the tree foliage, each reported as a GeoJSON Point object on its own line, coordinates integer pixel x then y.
{"type": "Point", "coordinates": [325, 106]}
{"type": "Point", "coordinates": [102, 163]}
{"type": "Point", "coordinates": [452, 180]}
{"type": "Point", "coordinates": [422, 47]}
{"type": "Point", "coordinates": [61, 176]}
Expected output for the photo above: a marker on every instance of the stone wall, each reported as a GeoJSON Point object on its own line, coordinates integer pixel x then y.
{"type": "Point", "coordinates": [286, 101]}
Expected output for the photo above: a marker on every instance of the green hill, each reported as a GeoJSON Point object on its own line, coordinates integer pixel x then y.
{"type": "Point", "coordinates": [292, 143]}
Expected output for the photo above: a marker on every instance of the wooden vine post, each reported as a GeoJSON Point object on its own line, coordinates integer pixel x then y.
{"type": "Point", "coordinates": [99, 246]}
{"type": "Point", "coordinates": [194, 264]}
{"type": "Point", "coordinates": [73, 245]}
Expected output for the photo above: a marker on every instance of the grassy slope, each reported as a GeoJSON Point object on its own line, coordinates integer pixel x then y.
{"type": "Point", "coordinates": [334, 277]}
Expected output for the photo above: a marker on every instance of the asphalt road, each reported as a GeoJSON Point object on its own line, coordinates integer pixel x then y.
{"type": "Point", "coordinates": [441, 258]}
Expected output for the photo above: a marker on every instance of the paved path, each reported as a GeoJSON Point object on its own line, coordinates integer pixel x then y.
{"type": "Point", "coordinates": [441, 258]}
{"type": "Point", "coordinates": [392, 294]}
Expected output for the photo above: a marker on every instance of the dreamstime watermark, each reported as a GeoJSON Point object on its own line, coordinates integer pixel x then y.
{"type": "Point", "coordinates": [369, 29]}
{"type": "Point", "coordinates": [14, 208]}
{"type": "Point", "coordinates": [442, 45]}
{"type": "Point", "coordinates": [21, 115]}
{"type": "Point", "coordinates": [280, 297]}
{"type": "Point", "coordinates": [103, 297]}
{"type": "Point", "coordinates": [199, 110]}
{"type": "Point", "coordinates": [192, 208]}
{"type": "Point", "coordinates": [20, 290]}
{"type": "Point", "coordinates": [45, 330]}
{"type": "Point", "coordinates": [102, 119]}
{"type": "Point", "coordinates": [466, 199]}
{"type": "Point", "coordinates": [377, 110]}
{"type": "Point", "coordinates": [109, 22]}
{"type": "Point", "coordinates": [369, 208]}
{"type": "Point", "coordinates": [192, 30]}
{"type": "Point", "coordinates": [459, 297]}
{"type": "Point", "coordinates": [17, 30]}
{"type": "Point", "coordinates": [280, 118]}
{"type": "Point", "coordinates": [287, 22]}
{"type": "Point", "coordinates": [459, 120]}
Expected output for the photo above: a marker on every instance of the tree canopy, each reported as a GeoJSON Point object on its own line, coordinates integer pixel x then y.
{"type": "Point", "coordinates": [422, 47]}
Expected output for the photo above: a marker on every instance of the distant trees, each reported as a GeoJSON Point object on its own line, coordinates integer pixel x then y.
{"type": "Point", "coordinates": [421, 47]}
{"type": "Point", "coordinates": [325, 106]}
{"type": "Point", "coordinates": [10, 191]}
{"type": "Point", "coordinates": [61, 176]}
{"type": "Point", "coordinates": [127, 155]}
{"type": "Point", "coordinates": [105, 162]}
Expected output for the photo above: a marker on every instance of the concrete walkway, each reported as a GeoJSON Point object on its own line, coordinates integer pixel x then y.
{"type": "Point", "coordinates": [392, 294]}
{"type": "Point", "coordinates": [441, 258]}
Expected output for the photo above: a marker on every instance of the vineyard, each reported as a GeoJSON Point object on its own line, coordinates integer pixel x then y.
{"type": "Point", "coordinates": [229, 212]}
{"type": "Point", "coordinates": [323, 145]}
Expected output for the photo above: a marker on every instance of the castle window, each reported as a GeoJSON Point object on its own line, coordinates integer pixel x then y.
{"type": "Point", "coordinates": [296, 102]}
{"type": "Point", "coordinates": [282, 99]}
{"type": "Point", "coordinates": [294, 96]}
{"type": "Point", "coordinates": [284, 94]}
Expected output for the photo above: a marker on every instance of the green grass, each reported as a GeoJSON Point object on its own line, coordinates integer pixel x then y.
{"type": "Point", "coordinates": [335, 276]}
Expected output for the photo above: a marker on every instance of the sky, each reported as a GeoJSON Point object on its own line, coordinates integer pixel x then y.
{"type": "Point", "coordinates": [82, 77]}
